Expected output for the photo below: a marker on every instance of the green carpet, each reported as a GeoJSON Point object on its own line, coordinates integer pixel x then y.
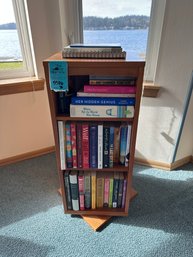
{"type": "Point", "coordinates": [33, 224]}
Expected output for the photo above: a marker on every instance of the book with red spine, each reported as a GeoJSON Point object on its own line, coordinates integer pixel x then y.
{"type": "Point", "coordinates": [73, 141]}
{"type": "Point", "coordinates": [85, 145]}
{"type": "Point", "coordinates": [118, 89]}
{"type": "Point", "coordinates": [81, 190]}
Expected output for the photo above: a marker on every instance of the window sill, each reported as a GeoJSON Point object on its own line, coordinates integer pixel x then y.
{"type": "Point", "coordinates": [150, 89]}
{"type": "Point", "coordinates": [20, 85]}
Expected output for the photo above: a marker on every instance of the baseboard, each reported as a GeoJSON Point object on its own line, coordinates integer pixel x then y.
{"type": "Point", "coordinates": [162, 165]}
{"type": "Point", "coordinates": [26, 156]}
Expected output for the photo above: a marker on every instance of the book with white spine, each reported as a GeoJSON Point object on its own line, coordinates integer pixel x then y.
{"type": "Point", "coordinates": [61, 133]}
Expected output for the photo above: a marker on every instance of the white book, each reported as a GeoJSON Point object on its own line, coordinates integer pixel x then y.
{"type": "Point", "coordinates": [81, 93]}
{"type": "Point", "coordinates": [62, 144]}
{"type": "Point", "coordinates": [128, 146]}
{"type": "Point", "coordinates": [103, 111]}
{"type": "Point", "coordinates": [100, 146]}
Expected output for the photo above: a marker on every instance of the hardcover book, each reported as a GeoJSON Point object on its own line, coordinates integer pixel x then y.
{"type": "Point", "coordinates": [100, 146]}
{"type": "Point", "coordinates": [81, 190]}
{"type": "Point", "coordinates": [87, 189]}
{"type": "Point", "coordinates": [100, 190]}
{"type": "Point", "coordinates": [61, 132]}
{"type": "Point", "coordinates": [85, 145]}
{"type": "Point", "coordinates": [93, 139]}
{"type": "Point", "coordinates": [74, 190]}
{"type": "Point", "coordinates": [68, 146]}
{"type": "Point", "coordinates": [93, 189]}
{"type": "Point", "coordinates": [103, 111]}
{"type": "Point", "coordinates": [84, 94]}
{"type": "Point", "coordinates": [102, 101]}
{"type": "Point", "coordinates": [79, 144]}
{"type": "Point", "coordinates": [73, 140]}
{"type": "Point", "coordinates": [67, 190]}
{"type": "Point", "coordinates": [116, 89]}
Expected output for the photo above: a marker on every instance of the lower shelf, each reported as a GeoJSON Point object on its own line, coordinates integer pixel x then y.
{"type": "Point", "coordinates": [96, 222]}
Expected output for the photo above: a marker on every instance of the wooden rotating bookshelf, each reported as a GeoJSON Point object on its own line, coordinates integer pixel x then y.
{"type": "Point", "coordinates": [79, 71]}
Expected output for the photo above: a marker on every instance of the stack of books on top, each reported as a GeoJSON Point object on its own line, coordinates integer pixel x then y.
{"type": "Point", "coordinates": [105, 96]}
{"type": "Point", "coordinates": [94, 51]}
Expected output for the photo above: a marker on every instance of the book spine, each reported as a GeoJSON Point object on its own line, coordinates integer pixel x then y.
{"type": "Point", "coordinates": [116, 145]}
{"type": "Point", "coordinates": [85, 146]}
{"type": "Point", "coordinates": [106, 192]}
{"type": "Point", "coordinates": [128, 146]}
{"type": "Point", "coordinates": [111, 146]}
{"type": "Point", "coordinates": [67, 190]}
{"type": "Point", "coordinates": [111, 192]}
{"type": "Point", "coordinates": [123, 141]}
{"type": "Point", "coordinates": [118, 89]}
{"type": "Point", "coordinates": [74, 190]}
{"type": "Point", "coordinates": [73, 139]}
{"type": "Point", "coordinates": [79, 144]}
{"type": "Point", "coordinates": [68, 146]}
{"type": "Point", "coordinates": [83, 94]}
{"type": "Point", "coordinates": [124, 193]}
{"type": "Point", "coordinates": [61, 134]}
{"type": "Point", "coordinates": [106, 135]}
{"type": "Point", "coordinates": [93, 139]}
{"type": "Point", "coordinates": [102, 101]}
{"type": "Point", "coordinates": [120, 192]}
{"type": "Point", "coordinates": [100, 146]}
{"type": "Point", "coordinates": [87, 189]}
{"type": "Point", "coordinates": [81, 190]}
{"type": "Point", "coordinates": [93, 189]}
{"type": "Point", "coordinates": [100, 191]}
{"type": "Point", "coordinates": [115, 190]}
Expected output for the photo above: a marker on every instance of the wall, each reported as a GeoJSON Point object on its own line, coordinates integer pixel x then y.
{"type": "Point", "coordinates": [160, 118]}
{"type": "Point", "coordinates": [25, 118]}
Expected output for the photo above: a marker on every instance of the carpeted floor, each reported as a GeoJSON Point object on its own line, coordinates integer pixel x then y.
{"type": "Point", "coordinates": [32, 222]}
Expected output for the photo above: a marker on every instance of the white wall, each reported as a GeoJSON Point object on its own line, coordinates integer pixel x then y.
{"type": "Point", "coordinates": [160, 118]}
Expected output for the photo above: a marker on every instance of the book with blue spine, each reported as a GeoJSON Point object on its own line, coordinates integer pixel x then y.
{"type": "Point", "coordinates": [123, 101]}
{"type": "Point", "coordinates": [123, 144]}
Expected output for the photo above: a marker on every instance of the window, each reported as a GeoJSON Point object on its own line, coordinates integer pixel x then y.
{"type": "Point", "coordinates": [125, 22]}
{"type": "Point", "coordinates": [15, 51]}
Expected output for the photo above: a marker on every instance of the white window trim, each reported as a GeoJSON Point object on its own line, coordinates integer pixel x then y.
{"type": "Point", "coordinates": [154, 39]}
{"type": "Point", "coordinates": [20, 11]}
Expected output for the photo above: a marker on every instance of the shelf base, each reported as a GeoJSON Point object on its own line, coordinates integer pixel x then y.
{"type": "Point", "coordinates": [96, 222]}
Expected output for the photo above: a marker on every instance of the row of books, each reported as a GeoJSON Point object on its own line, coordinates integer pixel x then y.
{"type": "Point", "coordinates": [91, 190]}
{"type": "Point", "coordinates": [95, 145]}
{"type": "Point", "coordinates": [93, 51]}
{"type": "Point", "coordinates": [112, 80]}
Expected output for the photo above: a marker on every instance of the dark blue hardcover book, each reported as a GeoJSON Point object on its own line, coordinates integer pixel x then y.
{"type": "Point", "coordinates": [106, 137]}
{"type": "Point", "coordinates": [123, 144]}
{"type": "Point", "coordinates": [93, 140]}
{"type": "Point", "coordinates": [122, 101]}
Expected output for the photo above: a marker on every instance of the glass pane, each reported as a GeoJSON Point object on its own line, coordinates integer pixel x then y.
{"type": "Point", "coordinates": [10, 50]}
{"type": "Point", "coordinates": [125, 22]}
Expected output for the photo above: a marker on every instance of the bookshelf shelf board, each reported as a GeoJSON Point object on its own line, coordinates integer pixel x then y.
{"type": "Point", "coordinates": [115, 168]}
{"type": "Point", "coordinates": [100, 211]}
{"type": "Point", "coordinates": [67, 118]}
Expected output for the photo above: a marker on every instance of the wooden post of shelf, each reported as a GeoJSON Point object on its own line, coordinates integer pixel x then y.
{"type": "Point", "coordinates": [96, 222]}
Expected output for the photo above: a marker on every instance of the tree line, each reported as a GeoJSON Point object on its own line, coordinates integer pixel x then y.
{"type": "Point", "coordinates": [123, 22]}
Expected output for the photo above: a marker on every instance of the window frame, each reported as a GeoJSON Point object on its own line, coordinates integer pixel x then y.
{"type": "Point", "coordinates": [22, 23]}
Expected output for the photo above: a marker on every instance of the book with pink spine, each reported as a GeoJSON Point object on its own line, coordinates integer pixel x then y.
{"type": "Point", "coordinates": [118, 89]}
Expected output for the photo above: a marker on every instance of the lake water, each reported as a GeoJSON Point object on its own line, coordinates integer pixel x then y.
{"type": "Point", "coordinates": [132, 41]}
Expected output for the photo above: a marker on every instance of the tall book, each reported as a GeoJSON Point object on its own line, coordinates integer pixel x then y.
{"type": "Point", "coordinates": [123, 143]}
{"type": "Point", "coordinates": [120, 190]}
{"type": "Point", "coordinates": [85, 145]}
{"type": "Point", "coordinates": [106, 190]}
{"type": "Point", "coordinates": [111, 146]}
{"type": "Point", "coordinates": [67, 190]}
{"type": "Point", "coordinates": [74, 190]}
{"type": "Point", "coordinates": [100, 146]}
{"type": "Point", "coordinates": [93, 189]}
{"type": "Point", "coordinates": [124, 192]}
{"type": "Point", "coordinates": [100, 190]}
{"type": "Point", "coordinates": [73, 142]}
{"type": "Point", "coordinates": [93, 140]}
{"type": "Point", "coordinates": [61, 133]}
{"type": "Point", "coordinates": [111, 181]}
{"type": "Point", "coordinates": [81, 190]}
{"type": "Point", "coordinates": [87, 189]}
{"type": "Point", "coordinates": [116, 145]}
{"type": "Point", "coordinates": [115, 189]}
{"type": "Point", "coordinates": [68, 146]}
{"type": "Point", "coordinates": [79, 144]}
{"type": "Point", "coordinates": [127, 154]}
{"type": "Point", "coordinates": [106, 138]}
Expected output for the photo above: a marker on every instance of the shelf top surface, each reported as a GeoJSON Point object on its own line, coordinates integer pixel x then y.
{"type": "Point", "coordinates": [58, 57]}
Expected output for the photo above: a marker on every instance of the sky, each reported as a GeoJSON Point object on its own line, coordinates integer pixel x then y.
{"type": "Point", "coordinates": [6, 12]}
{"type": "Point", "coordinates": [116, 8]}
{"type": "Point", "coordinates": [100, 8]}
